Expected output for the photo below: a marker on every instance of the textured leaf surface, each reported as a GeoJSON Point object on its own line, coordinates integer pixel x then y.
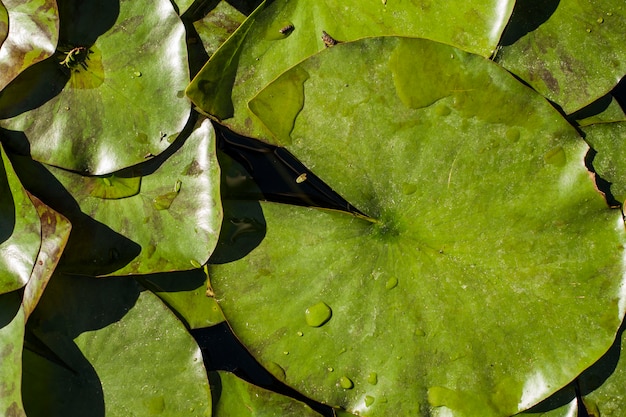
{"type": "Point", "coordinates": [29, 30]}
{"type": "Point", "coordinates": [265, 45]}
{"type": "Point", "coordinates": [570, 51]}
{"type": "Point", "coordinates": [468, 291]}
{"type": "Point", "coordinates": [11, 336]}
{"type": "Point", "coordinates": [217, 25]}
{"type": "Point", "coordinates": [604, 110]}
{"type": "Point", "coordinates": [123, 94]}
{"type": "Point", "coordinates": [4, 23]}
{"type": "Point", "coordinates": [240, 398]}
{"type": "Point", "coordinates": [20, 230]}
{"type": "Point", "coordinates": [609, 140]}
{"type": "Point", "coordinates": [55, 231]}
{"type": "Point", "coordinates": [173, 222]}
{"type": "Point", "coordinates": [602, 385]}
{"type": "Point", "coordinates": [127, 353]}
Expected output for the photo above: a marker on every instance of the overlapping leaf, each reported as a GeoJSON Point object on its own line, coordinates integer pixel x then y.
{"type": "Point", "coordinates": [282, 33]}
{"type": "Point", "coordinates": [29, 30]}
{"type": "Point", "coordinates": [123, 96]}
{"type": "Point", "coordinates": [609, 140]}
{"type": "Point", "coordinates": [55, 232]}
{"type": "Point", "coordinates": [466, 290]}
{"type": "Point", "coordinates": [117, 348]}
{"type": "Point", "coordinates": [240, 398]}
{"type": "Point", "coordinates": [4, 23]}
{"type": "Point", "coordinates": [570, 50]}
{"type": "Point", "coordinates": [171, 224]}
{"type": "Point", "coordinates": [186, 294]}
{"type": "Point", "coordinates": [20, 230]}
{"type": "Point", "coordinates": [12, 319]}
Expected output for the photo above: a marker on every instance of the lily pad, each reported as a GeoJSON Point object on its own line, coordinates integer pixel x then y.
{"type": "Point", "coordinates": [549, 46]}
{"type": "Point", "coordinates": [122, 342]}
{"type": "Point", "coordinates": [282, 33]}
{"type": "Point", "coordinates": [174, 219]}
{"type": "Point", "coordinates": [4, 23]}
{"type": "Point", "coordinates": [187, 294]}
{"type": "Point", "coordinates": [609, 140]}
{"type": "Point", "coordinates": [604, 110]}
{"type": "Point", "coordinates": [239, 398]}
{"type": "Point", "coordinates": [465, 288]}
{"type": "Point", "coordinates": [217, 25]}
{"type": "Point", "coordinates": [124, 93]}
{"type": "Point", "coordinates": [12, 321]}
{"type": "Point", "coordinates": [29, 30]}
{"type": "Point", "coordinates": [20, 230]}
{"type": "Point", "coordinates": [55, 231]}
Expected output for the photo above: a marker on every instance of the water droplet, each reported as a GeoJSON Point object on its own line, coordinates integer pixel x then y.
{"type": "Point", "coordinates": [609, 13]}
{"type": "Point", "coordinates": [600, 20]}
{"type": "Point", "coordinates": [391, 283]}
{"type": "Point", "coordinates": [195, 263]}
{"type": "Point", "coordinates": [346, 383]}
{"type": "Point", "coordinates": [588, 30]}
{"type": "Point", "coordinates": [137, 74]}
{"type": "Point", "coordinates": [372, 378]}
{"type": "Point", "coordinates": [408, 189]}
{"type": "Point", "coordinates": [301, 178]}
{"type": "Point", "coordinates": [107, 181]}
{"type": "Point", "coordinates": [318, 314]}
{"type": "Point", "coordinates": [286, 352]}
{"type": "Point", "coordinates": [369, 400]}
{"type": "Point", "coordinates": [177, 186]}
{"type": "Point", "coordinates": [555, 157]}
{"type": "Point", "coordinates": [330, 369]}
{"type": "Point", "coordinates": [300, 334]}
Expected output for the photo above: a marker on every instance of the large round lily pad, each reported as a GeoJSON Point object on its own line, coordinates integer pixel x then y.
{"type": "Point", "coordinates": [490, 271]}
{"type": "Point", "coordinates": [282, 33]}
{"type": "Point", "coordinates": [126, 71]}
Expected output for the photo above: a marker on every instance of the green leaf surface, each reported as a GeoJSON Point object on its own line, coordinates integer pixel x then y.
{"type": "Point", "coordinates": [12, 321]}
{"type": "Point", "coordinates": [602, 385]}
{"type": "Point", "coordinates": [183, 5]}
{"type": "Point", "coordinates": [124, 350]}
{"type": "Point", "coordinates": [217, 25]}
{"type": "Point", "coordinates": [466, 290]}
{"type": "Point", "coordinates": [123, 94]}
{"type": "Point", "coordinates": [236, 397]}
{"type": "Point", "coordinates": [609, 140]}
{"type": "Point", "coordinates": [20, 230]}
{"type": "Point", "coordinates": [570, 51]}
{"type": "Point", "coordinates": [604, 110]}
{"type": "Point", "coordinates": [186, 293]}
{"type": "Point", "coordinates": [171, 224]}
{"type": "Point", "coordinates": [29, 30]}
{"type": "Point", "coordinates": [259, 51]}
{"type": "Point", "coordinates": [55, 231]}
{"type": "Point", "coordinates": [4, 23]}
